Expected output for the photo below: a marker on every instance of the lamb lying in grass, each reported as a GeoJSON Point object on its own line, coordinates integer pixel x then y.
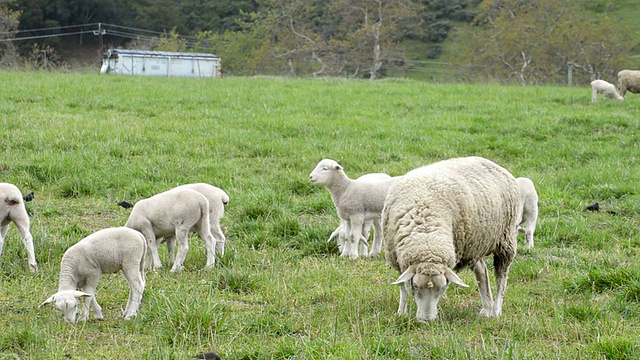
{"type": "Point", "coordinates": [12, 209]}
{"type": "Point", "coordinates": [103, 252]}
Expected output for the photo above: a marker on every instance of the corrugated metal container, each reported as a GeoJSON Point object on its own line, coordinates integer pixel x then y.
{"type": "Point", "coordinates": [160, 63]}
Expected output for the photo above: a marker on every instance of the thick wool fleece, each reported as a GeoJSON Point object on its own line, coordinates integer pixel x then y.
{"type": "Point", "coordinates": [451, 213]}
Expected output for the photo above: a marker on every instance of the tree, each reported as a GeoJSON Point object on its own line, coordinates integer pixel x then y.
{"type": "Point", "coordinates": [533, 42]}
{"type": "Point", "coordinates": [337, 37]}
{"type": "Point", "coordinates": [8, 28]}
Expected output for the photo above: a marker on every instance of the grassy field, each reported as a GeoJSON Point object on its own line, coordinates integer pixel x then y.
{"type": "Point", "coordinates": [83, 143]}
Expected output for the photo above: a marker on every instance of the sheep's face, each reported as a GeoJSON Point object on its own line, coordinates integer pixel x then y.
{"type": "Point", "coordinates": [68, 307]}
{"type": "Point", "coordinates": [323, 173]}
{"type": "Point", "coordinates": [66, 302]}
{"type": "Point", "coordinates": [427, 291]}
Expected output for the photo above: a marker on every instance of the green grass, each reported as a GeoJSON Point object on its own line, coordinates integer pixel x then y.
{"type": "Point", "coordinates": [84, 142]}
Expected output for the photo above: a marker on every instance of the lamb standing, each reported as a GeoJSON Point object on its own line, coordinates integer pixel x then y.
{"type": "Point", "coordinates": [340, 233]}
{"type": "Point", "coordinates": [12, 208]}
{"type": "Point", "coordinates": [448, 216]}
{"type": "Point", "coordinates": [529, 209]}
{"type": "Point", "coordinates": [605, 88]}
{"type": "Point", "coordinates": [173, 213]}
{"type": "Point", "coordinates": [629, 80]}
{"type": "Point", "coordinates": [104, 252]}
{"type": "Point", "coordinates": [356, 201]}
{"type": "Point", "coordinates": [218, 199]}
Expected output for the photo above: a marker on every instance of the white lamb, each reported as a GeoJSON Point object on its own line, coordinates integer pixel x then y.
{"type": "Point", "coordinates": [448, 216]}
{"type": "Point", "coordinates": [357, 202]}
{"type": "Point", "coordinates": [12, 209]}
{"type": "Point", "coordinates": [605, 88]}
{"type": "Point", "coordinates": [218, 199]}
{"type": "Point", "coordinates": [529, 209]}
{"type": "Point", "coordinates": [173, 213]}
{"type": "Point", "coordinates": [340, 234]}
{"type": "Point", "coordinates": [629, 80]}
{"type": "Point", "coordinates": [104, 252]}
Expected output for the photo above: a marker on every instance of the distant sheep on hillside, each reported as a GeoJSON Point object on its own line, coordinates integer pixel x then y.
{"type": "Point", "coordinates": [628, 80]}
{"type": "Point", "coordinates": [605, 88]}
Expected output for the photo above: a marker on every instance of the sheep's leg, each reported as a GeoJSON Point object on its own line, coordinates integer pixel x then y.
{"type": "Point", "coordinates": [3, 235]}
{"type": "Point", "coordinates": [402, 307]}
{"type": "Point", "coordinates": [182, 236]}
{"type": "Point", "coordinates": [90, 288]}
{"type": "Point", "coordinates": [482, 278]}
{"type": "Point", "coordinates": [136, 289]}
{"type": "Point", "coordinates": [21, 220]}
{"type": "Point", "coordinates": [152, 246]}
{"type": "Point", "coordinates": [363, 246]}
{"type": "Point", "coordinates": [501, 267]}
{"type": "Point", "coordinates": [594, 95]}
{"type": "Point", "coordinates": [210, 245]}
{"type": "Point", "coordinates": [530, 228]}
{"type": "Point", "coordinates": [377, 238]}
{"type": "Point", "coordinates": [219, 237]}
{"type": "Point", "coordinates": [355, 236]}
{"type": "Point", "coordinates": [346, 244]}
{"type": "Point", "coordinates": [171, 248]}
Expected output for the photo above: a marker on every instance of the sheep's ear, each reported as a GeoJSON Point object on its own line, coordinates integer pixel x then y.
{"type": "Point", "coordinates": [451, 276]}
{"type": "Point", "coordinates": [405, 276]}
{"type": "Point", "coordinates": [51, 299]}
{"type": "Point", "coordinates": [80, 294]}
{"type": "Point", "coordinates": [338, 167]}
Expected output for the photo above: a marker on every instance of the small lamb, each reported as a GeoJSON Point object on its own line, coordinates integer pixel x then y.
{"type": "Point", "coordinates": [629, 80]}
{"type": "Point", "coordinates": [340, 233]}
{"type": "Point", "coordinates": [218, 199]}
{"type": "Point", "coordinates": [106, 251]}
{"type": "Point", "coordinates": [12, 209]}
{"type": "Point", "coordinates": [357, 201]}
{"type": "Point", "coordinates": [173, 213]}
{"type": "Point", "coordinates": [529, 209]}
{"type": "Point", "coordinates": [448, 216]}
{"type": "Point", "coordinates": [605, 88]}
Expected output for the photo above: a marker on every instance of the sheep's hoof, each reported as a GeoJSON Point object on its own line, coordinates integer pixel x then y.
{"type": "Point", "coordinates": [130, 317]}
{"type": "Point", "coordinates": [486, 313]}
{"type": "Point", "coordinates": [33, 267]}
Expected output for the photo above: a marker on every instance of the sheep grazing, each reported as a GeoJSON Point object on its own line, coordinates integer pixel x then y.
{"type": "Point", "coordinates": [12, 209]}
{"type": "Point", "coordinates": [528, 207]}
{"type": "Point", "coordinates": [607, 89]}
{"type": "Point", "coordinates": [357, 202]}
{"type": "Point", "coordinates": [218, 199]}
{"type": "Point", "coordinates": [173, 213]}
{"type": "Point", "coordinates": [628, 80]}
{"type": "Point", "coordinates": [104, 252]}
{"type": "Point", "coordinates": [445, 217]}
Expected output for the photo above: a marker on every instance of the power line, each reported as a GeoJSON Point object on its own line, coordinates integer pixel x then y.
{"type": "Point", "coordinates": [46, 36]}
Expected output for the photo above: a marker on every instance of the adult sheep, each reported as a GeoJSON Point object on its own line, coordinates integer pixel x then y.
{"type": "Point", "coordinates": [445, 217]}
{"type": "Point", "coordinates": [628, 80]}
{"type": "Point", "coordinates": [608, 90]}
{"type": "Point", "coordinates": [357, 202]}
{"type": "Point", "coordinates": [12, 209]}
{"type": "Point", "coordinates": [104, 252]}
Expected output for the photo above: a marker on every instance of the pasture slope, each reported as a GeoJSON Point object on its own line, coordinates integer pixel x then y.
{"type": "Point", "coordinates": [82, 143]}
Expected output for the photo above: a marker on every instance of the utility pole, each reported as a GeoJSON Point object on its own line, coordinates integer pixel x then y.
{"type": "Point", "coordinates": [99, 33]}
